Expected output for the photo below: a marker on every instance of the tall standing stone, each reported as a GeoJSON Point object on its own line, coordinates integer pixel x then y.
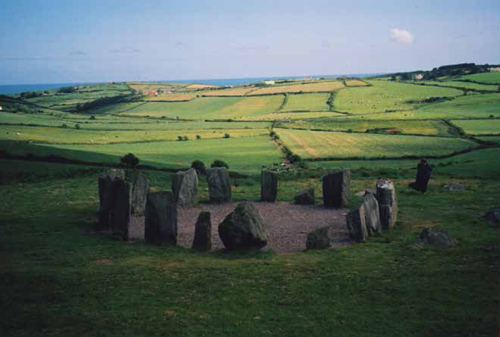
{"type": "Point", "coordinates": [388, 204]}
{"type": "Point", "coordinates": [243, 229]}
{"type": "Point", "coordinates": [120, 216]}
{"type": "Point", "coordinates": [219, 187]}
{"type": "Point", "coordinates": [203, 233]}
{"type": "Point", "coordinates": [108, 194]}
{"type": "Point", "coordinates": [161, 218]}
{"type": "Point", "coordinates": [185, 187]}
{"type": "Point", "coordinates": [268, 186]}
{"type": "Point", "coordinates": [336, 187]}
{"type": "Point", "coordinates": [140, 192]}
{"type": "Point", "coordinates": [372, 214]}
{"type": "Point", "coordinates": [356, 224]}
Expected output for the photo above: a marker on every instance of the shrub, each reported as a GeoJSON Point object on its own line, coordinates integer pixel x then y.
{"type": "Point", "coordinates": [92, 117]}
{"type": "Point", "coordinates": [185, 138]}
{"type": "Point", "coordinates": [226, 135]}
{"type": "Point", "coordinates": [130, 160]}
{"type": "Point", "coordinates": [199, 166]}
{"type": "Point", "coordinates": [198, 137]}
{"type": "Point", "coordinates": [179, 138]}
{"type": "Point", "coordinates": [64, 126]}
{"type": "Point", "coordinates": [77, 126]}
{"type": "Point", "coordinates": [219, 163]}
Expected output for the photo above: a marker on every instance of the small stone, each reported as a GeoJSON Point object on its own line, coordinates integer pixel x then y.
{"type": "Point", "coordinates": [305, 197]}
{"type": "Point", "coordinates": [185, 187]}
{"type": "Point", "coordinates": [268, 186]}
{"type": "Point", "coordinates": [438, 238]}
{"type": "Point", "coordinates": [161, 218]}
{"type": "Point", "coordinates": [320, 238]}
{"type": "Point", "coordinates": [336, 187]}
{"type": "Point", "coordinates": [452, 187]}
{"type": "Point", "coordinates": [203, 233]}
{"type": "Point", "coordinates": [356, 225]}
{"type": "Point", "coordinates": [219, 187]}
{"type": "Point", "coordinates": [243, 229]}
{"type": "Point", "coordinates": [493, 216]}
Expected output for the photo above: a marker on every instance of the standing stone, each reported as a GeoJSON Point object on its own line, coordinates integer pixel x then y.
{"type": "Point", "coordinates": [268, 186]}
{"type": "Point", "coordinates": [305, 197]}
{"type": "Point", "coordinates": [140, 190]}
{"type": "Point", "coordinates": [203, 233]}
{"type": "Point", "coordinates": [219, 187]}
{"type": "Point", "coordinates": [108, 194]}
{"type": "Point", "coordinates": [336, 188]}
{"type": "Point", "coordinates": [388, 204]}
{"type": "Point", "coordinates": [161, 218]}
{"type": "Point", "coordinates": [120, 214]}
{"type": "Point", "coordinates": [372, 214]}
{"type": "Point", "coordinates": [319, 239]}
{"type": "Point", "coordinates": [185, 187]}
{"type": "Point", "coordinates": [356, 224]}
{"type": "Point", "coordinates": [244, 228]}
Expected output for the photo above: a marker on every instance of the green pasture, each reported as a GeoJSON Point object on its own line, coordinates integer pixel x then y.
{"type": "Point", "coordinates": [462, 85]}
{"type": "Point", "coordinates": [286, 116]}
{"type": "Point", "coordinates": [492, 77]}
{"type": "Point", "coordinates": [385, 96]}
{"type": "Point", "coordinates": [490, 139]}
{"type": "Point", "coordinates": [319, 144]}
{"type": "Point", "coordinates": [475, 106]}
{"type": "Point", "coordinates": [70, 136]}
{"type": "Point", "coordinates": [427, 128]}
{"type": "Point", "coordinates": [479, 127]}
{"type": "Point", "coordinates": [211, 108]}
{"type": "Point", "coordinates": [307, 102]}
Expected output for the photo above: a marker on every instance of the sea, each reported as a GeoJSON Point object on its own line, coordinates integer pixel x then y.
{"type": "Point", "coordinates": [12, 89]}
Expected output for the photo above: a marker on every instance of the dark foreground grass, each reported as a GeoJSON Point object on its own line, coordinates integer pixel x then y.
{"type": "Point", "coordinates": [58, 278]}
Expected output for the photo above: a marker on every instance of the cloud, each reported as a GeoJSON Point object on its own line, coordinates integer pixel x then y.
{"type": "Point", "coordinates": [77, 53]}
{"type": "Point", "coordinates": [401, 35]}
{"type": "Point", "coordinates": [125, 50]}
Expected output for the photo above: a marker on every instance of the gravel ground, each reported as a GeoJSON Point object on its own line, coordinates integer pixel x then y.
{"type": "Point", "coordinates": [287, 224]}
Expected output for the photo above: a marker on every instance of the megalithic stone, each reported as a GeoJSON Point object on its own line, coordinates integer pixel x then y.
{"type": "Point", "coordinates": [356, 224]}
{"type": "Point", "coordinates": [107, 197]}
{"type": "Point", "coordinates": [388, 203]}
{"type": "Point", "coordinates": [185, 187]}
{"type": "Point", "coordinates": [268, 186]}
{"type": "Point", "coordinates": [219, 186]}
{"type": "Point", "coordinates": [203, 233]}
{"type": "Point", "coordinates": [140, 190]}
{"type": "Point", "coordinates": [161, 218]}
{"type": "Point", "coordinates": [372, 214]}
{"type": "Point", "coordinates": [120, 215]}
{"type": "Point", "coordinates": [336, 187]}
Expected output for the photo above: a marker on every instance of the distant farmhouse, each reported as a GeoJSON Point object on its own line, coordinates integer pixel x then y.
{"type": "Point", "coordinates": [269, 82]}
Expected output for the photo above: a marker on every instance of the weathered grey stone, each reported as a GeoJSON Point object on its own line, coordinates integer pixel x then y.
{"type": "Point", "coordinates": [120, 214]}
{"type": "Point", "coordinates": [305, 197]}
{"type": "Point", "coordinates": [185, 187]}
{"type": "Point", "coordinates": [372, 214]}
{"type": "Point", "coordinates": [219, 187]}
{"type": "Point", "coordinates": [268, 186]}
{"type": "Point", "coordinates": [320, 238]}
{"type": "Point", "coordinates": [336, 187]}
{"type": "Point", "coordinates": [452, 187]}
{"type": "Point", "coordinates": [243, 229]}
{"type": "Point", "coordinates": [438, 238]}
{"type": "Point", "coordinates": [356, 224]}
{"type": "Point", "coordinates": [203, 232]}
{"type": "Point", "coordinates": [161, 218]}
{"type": "Point", "coordinates": [388, 203]}
{"type": "Point", "coordinates": [114, 205]}
{"type": "Point", "coordinates": [140, 190]}
{"type": "Point", "coordinates": [493, 216]}
{"type": "Point", "coordinates": [114, 173]}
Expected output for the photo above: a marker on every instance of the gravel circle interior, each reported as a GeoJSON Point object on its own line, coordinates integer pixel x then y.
{"type": "Point", "coordinates": [287, 224]}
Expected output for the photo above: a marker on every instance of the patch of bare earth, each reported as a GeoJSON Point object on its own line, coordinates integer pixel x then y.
{"type": "Point", "coordinates": [287, 224]}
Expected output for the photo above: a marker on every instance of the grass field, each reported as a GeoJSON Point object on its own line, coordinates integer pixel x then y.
{"type": "Point", "coordinates": [427, 128]}
{"type": "Point", "coordinates": [385, 96]}
{"type": "Point", "coordinates": [492, 77]}
{"type": "Point", "coordinates": [318, 144]}
{"type": "Point", "coordinates": [490, 139]}
{"type": "Point", "coordinates": [211, 108]}
{"type": "Point", "coordinates": [238, 91]}
{"type": "Point", "coordinates": [355, 83]}
{"type": "Point", "coordinates": [307, 102]}
{"type": "Point", "coordinates": [479, 127]}
{"type": "Point", "coordinates": [174, 97]}
{"type": "Point", "coordinates": [464, 85]}
{"type": "Point", "coordinates": [311, 87]}
{"type": "Point", "coordinates": [287, 116]}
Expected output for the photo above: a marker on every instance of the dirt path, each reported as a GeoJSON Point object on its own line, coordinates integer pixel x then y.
{"type": "Point", "coordinates": [287, 224]}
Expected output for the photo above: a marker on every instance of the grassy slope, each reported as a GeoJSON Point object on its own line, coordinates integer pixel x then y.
{"type": "Point", "coordinates": [309, 102]}
{"type": "Point", "coordinates": [383, 96]}
{"type": "Point", "coordinates": [318, 144]}
{"type": "Point", "coordinates": [479, 127]}
{"type": "Point", "coordinates": [308, 87]}
{"type": "Point", "coordinates": [493, 77]}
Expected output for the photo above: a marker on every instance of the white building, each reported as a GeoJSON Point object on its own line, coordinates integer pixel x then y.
{"type": "Point", "coordinates": [269, 82]}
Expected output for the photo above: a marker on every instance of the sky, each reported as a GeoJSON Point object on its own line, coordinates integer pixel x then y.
{"type": "Point", "coordinates": [67, 41]}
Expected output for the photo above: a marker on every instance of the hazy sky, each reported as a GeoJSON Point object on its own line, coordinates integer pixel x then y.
{"type": "Point", "coordinates": [50, 41]}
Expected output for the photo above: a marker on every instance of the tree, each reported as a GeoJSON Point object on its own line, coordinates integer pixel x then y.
{"type": "Point", "coordinates": [219, 163]}
{"type": "Point", "coordinates": [130, 160]}
{"type": "Point", "coordinates": [77, 126]}
{"type": "Point", "coordinates": [199, 166]}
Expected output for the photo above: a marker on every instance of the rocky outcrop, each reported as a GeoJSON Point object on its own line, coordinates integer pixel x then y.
{"type": "Point", "coordinates": [336, 186]}
{"type": "Point", "coordinates": [268, 186]}
{"type": "Point", "coordinates": [185, 187]}
{"type": "Point", "coordinates": [243, 229]}
{"type": "Point", "coordinates": [203, 233]}
{"type": "Point", "coordinates": [304, 197]}
{"type": "Point", "coordinates": [219, 187]}
{"type": "Point", "coordinates": [161, 218]}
